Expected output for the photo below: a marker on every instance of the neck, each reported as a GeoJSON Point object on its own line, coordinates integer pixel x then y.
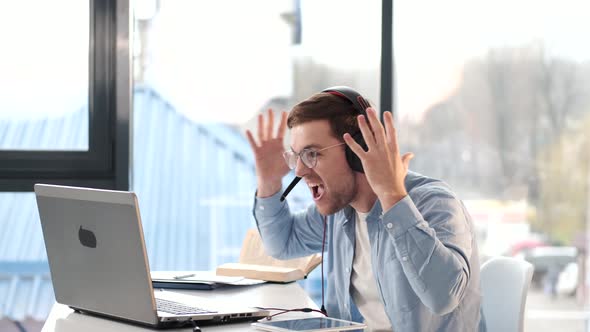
{"type": "Point", "coordinates": [365, 198]}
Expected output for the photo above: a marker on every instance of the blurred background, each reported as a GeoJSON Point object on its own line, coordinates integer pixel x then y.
{"type": "Point", "coordinates": [492, 97]}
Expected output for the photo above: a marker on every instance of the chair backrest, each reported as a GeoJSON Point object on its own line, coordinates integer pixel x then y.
{"type": "Point", "coordinates": [505, 282]}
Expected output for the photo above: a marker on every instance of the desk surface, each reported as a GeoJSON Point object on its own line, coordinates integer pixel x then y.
{"type": "Point", "coordinates": [63, 319]}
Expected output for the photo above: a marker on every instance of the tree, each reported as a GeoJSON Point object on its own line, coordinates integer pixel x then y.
{"type": "Point", "coordinates": [511, 130]}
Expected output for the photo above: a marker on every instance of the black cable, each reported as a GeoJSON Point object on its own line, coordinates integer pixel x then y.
{"type": "Point", "coordinates": [196, 327]}
{"type": "Point", "coordinates": [323, 308]}
{"type": "Point", "coordinates": [19, 326]}
{"type": "Point", "coordinates": [283, 311]}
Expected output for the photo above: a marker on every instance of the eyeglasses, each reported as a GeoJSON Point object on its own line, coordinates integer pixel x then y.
{"type": "Point", "coordinates": [309, 157]}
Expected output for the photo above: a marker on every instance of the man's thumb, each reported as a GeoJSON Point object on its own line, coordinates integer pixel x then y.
{"type": "Point", "coordinates": [406, 159]}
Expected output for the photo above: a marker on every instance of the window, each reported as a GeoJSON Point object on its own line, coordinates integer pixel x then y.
{"type": "Point", "coordinates": [202, 74]}
{"type": "Point", "coordinates": [494, 98]}
{"type": "Point", "coordinates": [59, 104]}
{"type": "Point", "coordinates": [36, 96]}
{"type": "Point", "coordinates": [64, 118]}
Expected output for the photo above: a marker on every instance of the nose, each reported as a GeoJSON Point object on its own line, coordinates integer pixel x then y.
{"type": "Point", "coordinates": [300, 169]}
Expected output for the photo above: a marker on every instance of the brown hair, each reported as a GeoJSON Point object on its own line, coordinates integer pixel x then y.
{"type": "Point", "coordinates": [325, 106]}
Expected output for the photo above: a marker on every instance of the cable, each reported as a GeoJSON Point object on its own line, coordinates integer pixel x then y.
{"type": "Point", "coordinates": [19, 326]}
{"type": "Point", "coordinates": [323, 308]}
{"type": "Point", "coordinates": [195, 327]}
{"type": "Point", "coordinates": [283, 311]}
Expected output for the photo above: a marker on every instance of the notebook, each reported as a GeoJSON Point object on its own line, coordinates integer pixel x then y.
{"type": "Point", "coordinates": [98, 262]}
{"type": "Point", "coordinates": [200, 280]}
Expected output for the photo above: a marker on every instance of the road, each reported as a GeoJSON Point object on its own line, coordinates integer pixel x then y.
{"type": "Point", "coordinates": [562, 314]}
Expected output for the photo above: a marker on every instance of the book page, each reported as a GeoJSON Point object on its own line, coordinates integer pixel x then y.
{"type": "Point", "coordinates": [262, 272]}
{"type": "Point", "coordinates": [314, 261]}
{"type": "Point", "coordinates": [253, 253]}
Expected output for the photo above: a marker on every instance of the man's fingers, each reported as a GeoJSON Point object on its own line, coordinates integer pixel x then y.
{"type": "Point", "coordinates": [390, 131]}
{"type": "Point", "coordinates": [270, 124]}
{"type": "Point", "coordinates": [282, 125]}
{"type": "Point", "coordinates": [376, 125]}
{"type": "Point", "coordinates": [353, 145]}
{"type": "Point", "coordinates": [251, 140]}
{"type": "Point", "coordinates": [366, 132]}
{"type": "Point", "coordinates": [261, 128]}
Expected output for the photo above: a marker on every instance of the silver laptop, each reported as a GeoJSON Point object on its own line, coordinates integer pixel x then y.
{"type": "Point", "coordinates": [98, 261]}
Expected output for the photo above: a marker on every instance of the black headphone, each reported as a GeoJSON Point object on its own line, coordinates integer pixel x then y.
{"type": "Point", "coordinates": [360, 104]}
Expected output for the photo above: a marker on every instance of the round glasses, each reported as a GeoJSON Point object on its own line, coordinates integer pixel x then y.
{"type": "Point", "coordinates": [309, 157]}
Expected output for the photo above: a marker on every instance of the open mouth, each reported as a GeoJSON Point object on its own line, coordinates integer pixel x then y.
{"type": "Point", "coordinates": [317, 191]}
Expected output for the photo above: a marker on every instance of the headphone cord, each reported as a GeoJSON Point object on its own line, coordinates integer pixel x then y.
{"type": "Point", "coordinates": [323, 308]}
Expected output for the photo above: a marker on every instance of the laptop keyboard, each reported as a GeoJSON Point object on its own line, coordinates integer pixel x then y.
{"type": "Point", "coordinates": [179, 308]}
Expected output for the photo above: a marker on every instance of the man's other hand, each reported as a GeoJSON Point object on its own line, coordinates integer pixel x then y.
{"type": "Point", "coordinates": [268, 153]}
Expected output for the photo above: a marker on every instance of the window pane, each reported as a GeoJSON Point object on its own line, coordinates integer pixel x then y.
{"type": "Point", "coordinates": [202, 74]}
{"type": "Point", "coordinates": [494, 98]}
{"type": "Point", "coordinates": [44, 80]}
{"type": "Point", "coordinates": [25, 285]}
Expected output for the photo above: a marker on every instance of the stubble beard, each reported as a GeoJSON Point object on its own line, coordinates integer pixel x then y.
{"type": "Point", "coordinates": [339, 198]}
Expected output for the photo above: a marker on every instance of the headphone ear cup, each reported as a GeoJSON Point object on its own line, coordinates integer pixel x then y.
{"type": "Point", "coordinates": [353, 160]}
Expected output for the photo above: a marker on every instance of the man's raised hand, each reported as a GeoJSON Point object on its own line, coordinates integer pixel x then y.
{"type": "Point", "coordinates": [268, 154]}
{"type": "Point", "coordinates": [384, 168]}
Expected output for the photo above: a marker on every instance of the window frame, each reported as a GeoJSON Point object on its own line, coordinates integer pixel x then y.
{"type": "Point", "coordinates": [106, 163]}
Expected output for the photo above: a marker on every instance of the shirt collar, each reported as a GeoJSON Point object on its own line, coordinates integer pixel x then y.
{"type": "Point", "coordinates": [374, 213]}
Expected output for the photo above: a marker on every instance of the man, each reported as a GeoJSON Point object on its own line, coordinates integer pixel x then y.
{"type": "Point", "coordinates": [402, 250]}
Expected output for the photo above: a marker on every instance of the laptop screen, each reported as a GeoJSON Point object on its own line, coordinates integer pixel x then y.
{"type": "Point", "coordinates": [96, 251]}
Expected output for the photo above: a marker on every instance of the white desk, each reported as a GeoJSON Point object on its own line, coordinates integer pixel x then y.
{"type": "Point", "coordinates": [63, 319]}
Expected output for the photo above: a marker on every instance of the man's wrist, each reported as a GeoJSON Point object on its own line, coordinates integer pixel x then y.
{"type": "Point", "coordinates": [389, 199]}
{"type": "Point", "coordinates": [268, 189]}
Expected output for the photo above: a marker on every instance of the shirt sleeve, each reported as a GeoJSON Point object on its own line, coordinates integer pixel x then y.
{"type": "Point", "coordinates": [432, 237]}
{"type": "Point", "coordinates": [286, 235]}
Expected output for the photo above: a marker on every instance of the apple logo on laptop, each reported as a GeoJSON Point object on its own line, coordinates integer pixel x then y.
{"type": "Point", "coordinates": [87, 238]}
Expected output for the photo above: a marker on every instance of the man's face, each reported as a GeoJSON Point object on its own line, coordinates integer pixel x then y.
{"type": "Point", "coordinates": [331, 182]}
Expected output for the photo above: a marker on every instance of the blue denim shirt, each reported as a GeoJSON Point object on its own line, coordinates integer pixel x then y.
{"type": "Point", "coordinates": [423, 252]}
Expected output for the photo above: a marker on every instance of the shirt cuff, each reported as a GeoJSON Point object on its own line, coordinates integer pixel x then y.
{"type": "Point", "coordinates": [268, 207]}
{"type": "Point", "coordinates": [401, 217]}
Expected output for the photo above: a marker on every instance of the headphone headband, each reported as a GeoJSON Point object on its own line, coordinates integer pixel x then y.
{"type": "Point", "coordinates": [359, 103]}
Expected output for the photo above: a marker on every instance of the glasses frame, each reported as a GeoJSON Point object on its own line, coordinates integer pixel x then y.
{"type": "Point", "coordinates": [310, 153]}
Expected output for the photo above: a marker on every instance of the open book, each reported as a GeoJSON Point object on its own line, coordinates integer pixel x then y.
{"type": "Point", "coordinates": [254, 263]}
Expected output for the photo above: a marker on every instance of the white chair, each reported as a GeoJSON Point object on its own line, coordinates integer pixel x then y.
{"type": "Point", "coordinates": [504, 283]}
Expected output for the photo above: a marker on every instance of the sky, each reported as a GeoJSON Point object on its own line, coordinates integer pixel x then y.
{"type": "Point", "coordinates": [433, 39]}
{"type": "Point", "coordinates": [222, 60]}
{"type": "Point", "coordinates": [230, 74]}
{"type": "Point", "coordinates": [44, 60]}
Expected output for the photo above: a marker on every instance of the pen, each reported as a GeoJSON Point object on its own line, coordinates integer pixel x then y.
{"type": "Point", "coordinates": [184, 276]}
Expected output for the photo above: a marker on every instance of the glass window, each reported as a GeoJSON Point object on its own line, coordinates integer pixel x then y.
{"type": "Point", "coordinates": [53, 130]}
{"type": "Point", "coordinates": [25, 284]}
{"type": "Point", "coordinates": [494, 98]}
{"type": "Point", "coordinates": [202, 74]}
{"type": "Point", "coordinates": [44, 64]}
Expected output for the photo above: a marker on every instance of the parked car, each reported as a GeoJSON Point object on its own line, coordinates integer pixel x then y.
{"type": "Point", "coordinates": [568, 280]}
{"type": "Point", "coordinates": [551, 259]}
